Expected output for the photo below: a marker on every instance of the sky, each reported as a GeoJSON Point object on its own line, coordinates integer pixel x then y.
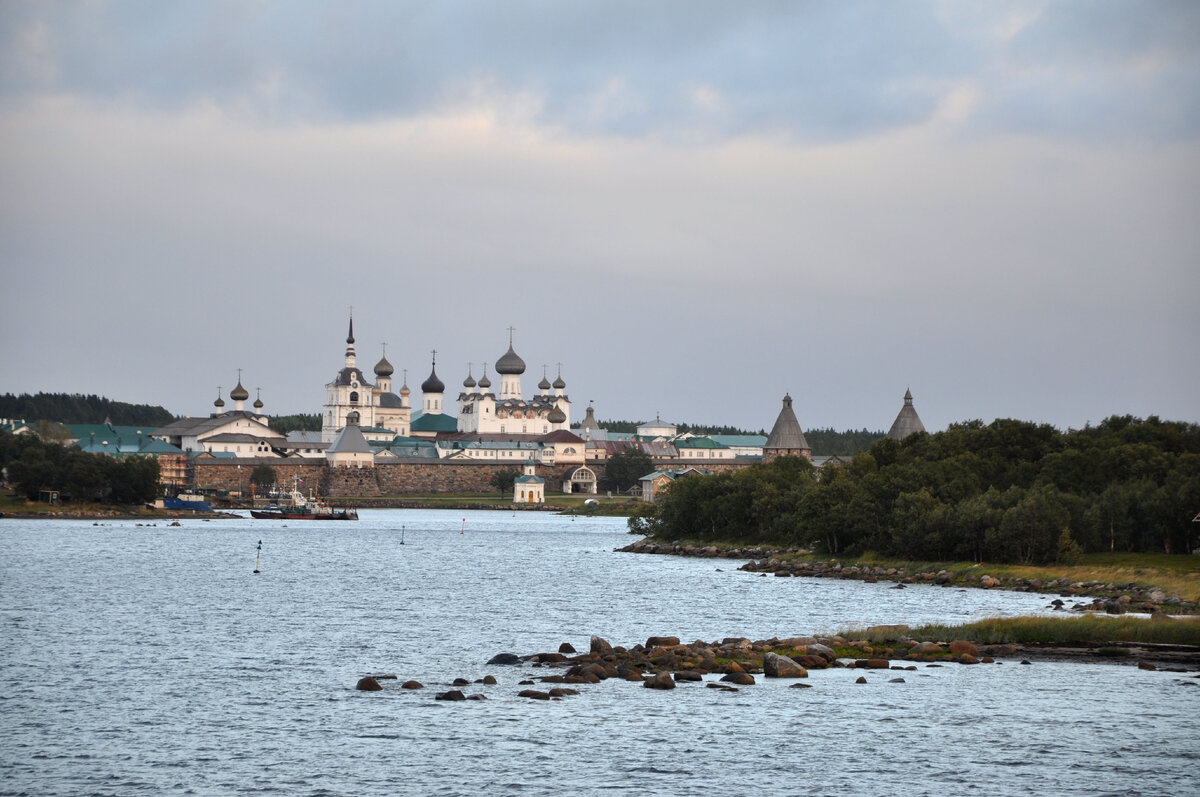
{"type": "Point", "coordinates": [694, 207]}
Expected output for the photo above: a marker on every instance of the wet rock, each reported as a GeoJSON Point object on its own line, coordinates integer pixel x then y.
{"type": "Point", "coordinates": [662, 642]}
{"type": "Point", "coordinates": [661, 680]}
{"type": "Point", "coordinates": [505, 658]}
{"type": "Point", "coordinates": [562, 691]}
{"type": "Point", "coordinates": [724, 687]}
{"type": "Point", "coordinates": [600, 646]}
{"type": "Point", "coordinates": [896, 681]}
{"type": "Point", "coordinates": [525, 683]}
{"type": "Point", "coordinates": [812, 662]}
{"type": "Point", "coordinates": [862, 679]}
{"type": "Point", "coordinates": [489, 680]}
{"type": "Point", "coordinates": [566, 647]}
{"type": "Point", "coordinates": [824, 651]}
{"type": "Point", "coordinates": [476, 697]}
{"type": "Point", "coordinates": [987, 582]}
{"type": "Point", "coordinates": [1145, 665]}
{"type": "Point", "coordinates": [799, 686]}
{"type": "Point", "coordinates": [739, 678]}
{"type": "Point", "coordinates": [689, 675]}
{"type": "Point", "coordinates": [534, 694]}
{"type": "Point", "coordinates": [368, 684]}
{"type": "Point", "coordinates": [412, 685]}
{"type": "Point", "coordinates": [453, 694]}
{"type": "Point", "coordinates": [460, 682]}
{"type": "Point", "coordinates": [959, 646]}
{"type": "Point", "coordinates": [967, 658]}
{"type": "Point", "coordinates": [777, 666]}
{"type": "Point", "coordinates": [1026, 661]}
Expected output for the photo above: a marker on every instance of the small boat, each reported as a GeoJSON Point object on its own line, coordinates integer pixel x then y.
{"type": "Point", "coordinates": [294, 506]}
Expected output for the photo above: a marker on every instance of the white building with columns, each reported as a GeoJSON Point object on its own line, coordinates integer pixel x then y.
{"type": "Point", "coordinates": [351, 398]}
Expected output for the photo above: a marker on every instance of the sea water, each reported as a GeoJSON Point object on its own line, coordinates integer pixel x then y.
{"type": "Point", "coordinates": [139, 659]}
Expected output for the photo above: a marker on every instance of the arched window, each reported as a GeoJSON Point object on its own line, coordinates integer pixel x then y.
{"type": "Point", "coordinates": [354, 397]}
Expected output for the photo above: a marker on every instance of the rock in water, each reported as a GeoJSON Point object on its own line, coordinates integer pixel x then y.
{"type": "Point", "coordinates": [412, 685]}
{"type": "Point", "coordinates": [662, 680]}
{"type": "Point", "coordinates": [960, 646]}
{"type": "Point", "coordinates": [600, 645]}
{"type": "Point", "coordinates": [453, 694]}
{"type": "Point", "coordinates": [505, 658]}
{"type": "Point", "coordinates": [368, 684]}
{"type": "Point", "coordinates": [776, 666]}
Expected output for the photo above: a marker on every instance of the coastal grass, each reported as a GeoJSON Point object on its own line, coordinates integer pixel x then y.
{"type": "Point", "coordinates": [1174, 574]}
{"type": "Point", "coordinates": [1089, 630]}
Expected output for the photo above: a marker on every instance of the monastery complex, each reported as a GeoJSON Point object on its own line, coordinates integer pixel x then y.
{"type": "Point", "coordinates": [374, 442]}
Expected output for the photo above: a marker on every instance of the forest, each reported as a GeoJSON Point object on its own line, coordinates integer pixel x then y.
{"type": "Point", "coordinates": [1009, 491]}
{"type": "Point", "coordinates": [32, 465]}
{"type": "Point", "coordinates": [78, 408]}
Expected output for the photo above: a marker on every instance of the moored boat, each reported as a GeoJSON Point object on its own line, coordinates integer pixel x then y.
{"type": "Point", "coordinates": [294, 506]}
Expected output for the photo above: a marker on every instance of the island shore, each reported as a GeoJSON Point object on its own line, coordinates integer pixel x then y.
{"type": "Point", "coordinates": [1106, 596]}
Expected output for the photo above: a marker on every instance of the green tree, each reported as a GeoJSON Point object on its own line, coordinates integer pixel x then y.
{"type": "Point", "coordinates": [625, 468]}
{"type": "Point", "coordinates": [503, 480]}
{"type": "Point", "coordinates": [263, 476]}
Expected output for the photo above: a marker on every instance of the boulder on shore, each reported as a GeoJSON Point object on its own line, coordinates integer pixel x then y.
{"type": "Point", "coordinates": [600, 646]}
{"type": "Point", "coordinates": [777, 666]}
{"type": "Point", "coordinates": [661, 680]}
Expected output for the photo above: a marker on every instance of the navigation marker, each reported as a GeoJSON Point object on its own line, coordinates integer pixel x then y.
{"type": "Point", "coordinates": [258, 556]}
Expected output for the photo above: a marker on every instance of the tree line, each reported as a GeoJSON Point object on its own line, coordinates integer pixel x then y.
{"type": "Point", "coordinates": [31, 465]}
{"type": "Point", "coordinates": [78, 408]}
{"type": "Point", "coordinates": [1009, 491]}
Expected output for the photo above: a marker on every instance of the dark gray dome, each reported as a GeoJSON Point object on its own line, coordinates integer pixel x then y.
{"type": "Point", "coordinates": [384, 368]}
{"type": "Point", "coordinates": [556, 416]}
{"type": "Point", "coordinates": [433, 384]}
{"type": "Point", "coordinates": [544, 384]}
{"type": "Point", "coordinates": [484, 382]}
{"type": "Point", "coordinates": [559, 384]}
{"type": "Point", "coordinates": [469, 382]}
{"type": "Point", "coordinates": [510, 363]}
{"type": "Point", "coordinates": [239, 393]}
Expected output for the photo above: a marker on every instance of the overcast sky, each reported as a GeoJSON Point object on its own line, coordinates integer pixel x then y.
{"type": "Point", "coordinates": [695, 207]}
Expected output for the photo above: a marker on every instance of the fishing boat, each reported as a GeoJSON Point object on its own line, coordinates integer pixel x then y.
{"type": "Point", "coordinates": [292, 505]}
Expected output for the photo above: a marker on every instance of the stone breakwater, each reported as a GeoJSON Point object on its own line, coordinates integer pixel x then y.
{"type": "Point", "coordinates": [1109, 597]}
{"type": "Point", "coordinates": [665, 662]}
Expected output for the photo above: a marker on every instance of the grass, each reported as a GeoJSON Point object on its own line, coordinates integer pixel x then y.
{"type": "Point", "coordinates": [1085, 631]}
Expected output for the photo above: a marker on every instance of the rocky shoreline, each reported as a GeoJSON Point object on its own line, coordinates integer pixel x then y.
{"type": "Point", "coordinates": [729, 664]}
{"type": "Point", "coordinates": [1108, 597]}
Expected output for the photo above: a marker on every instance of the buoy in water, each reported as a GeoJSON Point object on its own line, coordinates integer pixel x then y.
{"type": "Point", "coordinates": [258, 556]}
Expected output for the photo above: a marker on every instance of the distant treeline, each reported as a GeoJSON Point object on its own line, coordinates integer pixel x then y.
{"type": "Point", "coordinates": [824, 442]}
{"type": "Point", "coordinates": [33, 465]}
{"type": "Point", "coordinates": [1009, 491]}
{"type": "Point", "coordinates": [292, 423]}
{"type": "Point", "coordinates": [78, 408]}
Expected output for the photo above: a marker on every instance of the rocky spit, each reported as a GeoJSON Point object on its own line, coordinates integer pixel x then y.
{"type": "Point", "coordinates": [1109, 597]}
{"type": "Point", "coordinates": [732, 663]}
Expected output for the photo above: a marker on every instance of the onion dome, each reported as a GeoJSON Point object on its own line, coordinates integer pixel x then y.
{"type": "Point", "coordinates": [239, 393]}
{"type": "Point", "coordinates": [220, 402]}
{"type": "Point", "coordinates": [545, 383]}
{"type": "Point", "coordinates": [433, 384]}
{"type": "Point", "coordinates": [469, 382]}
{"type": "Point", "coordinates": [404, 391]}
{"type": "Point", "coordinates": [510, 363]}
{"type": "Point", "coordinates": [559, 384]}
{"type": "Point", "coordinates": [384, 368]}
{"type": "Point", "coordinates": [557, 416]}
{"type": "Point", "coordinates": [258, 402]}
{"type": "Point", "coordinates": [484, 382]}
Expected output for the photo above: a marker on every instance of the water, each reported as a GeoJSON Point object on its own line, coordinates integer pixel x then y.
{"type": "Point", "coordinates": [149, 660]}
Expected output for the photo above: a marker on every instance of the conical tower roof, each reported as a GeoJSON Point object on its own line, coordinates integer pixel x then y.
{"type": "Point", "coordinates": [786, 433]}
{"type": "Point", "coordinates": [907, 422]}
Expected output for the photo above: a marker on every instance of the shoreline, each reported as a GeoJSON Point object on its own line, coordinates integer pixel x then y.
{"type": "Point", "coordinates": [1107, 597]}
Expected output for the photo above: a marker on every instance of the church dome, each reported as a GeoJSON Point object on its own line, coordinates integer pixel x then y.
{"type": "Point", "coordinates": [484, 382]}
{"type": "Point", "coordinates": [544, 384]}
{"type": "Point", "coordinates": [510, 363]}
{"type": "Point", "coordinates": [433, 384]}
{"type": "Point", "coordinates": [384, 368]}
{"type": "Point", "coordinates": [239, 393]}
{"type": "Point", "coordinates": [258, 403]}
{"type": "Point", "coordinates": [559, 384]}
{"type": "Point", "coordinates": [469, 382]}
{"type": "Point", "coordinates": [220, 402]}
{"type": "Point", "coordinates": [556, 416]}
